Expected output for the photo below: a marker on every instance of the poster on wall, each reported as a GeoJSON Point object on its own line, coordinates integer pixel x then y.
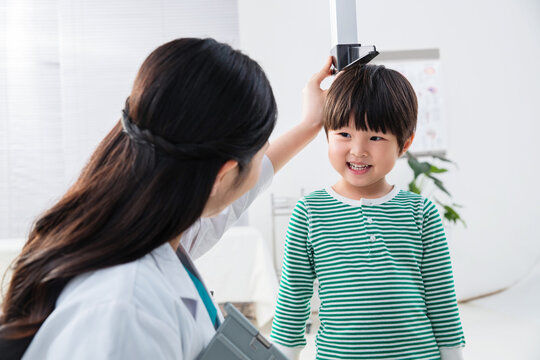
{"type": "Point", "coordinates": [422, 69]}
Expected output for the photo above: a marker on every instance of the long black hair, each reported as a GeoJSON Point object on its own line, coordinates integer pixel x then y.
{"type": "Point", "coordinates": [195, 104]}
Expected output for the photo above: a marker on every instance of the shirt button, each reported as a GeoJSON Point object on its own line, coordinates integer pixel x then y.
{"type": "Point", "coordinates": [369, 220]}
{"type": "Point", "coordinates": [372, 237]}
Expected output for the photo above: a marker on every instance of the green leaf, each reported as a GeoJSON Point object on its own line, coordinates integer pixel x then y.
{"type": "Point", "coordinates": [450, 214]}
{"type": "Point", "coordinates": [438, 183]}
{"type": "Point", "coordinates": [436, 170]}
{"type": "Point", "coordinates": [414, 188]}
{"type": "Point", "coordinates": [418, 167]}
{"type": "Point", "coordinates": [440, 157]}
{"type": "Point", "coordinates": [427, 169]}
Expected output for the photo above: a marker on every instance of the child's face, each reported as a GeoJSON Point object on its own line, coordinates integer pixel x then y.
{"type": "Point", "coordinates": [362, 158]}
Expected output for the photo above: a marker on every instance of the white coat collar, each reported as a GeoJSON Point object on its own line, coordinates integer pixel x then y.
{"type": "Point", "coordinates": [182, 285]}
{"type": "Point", "coordinates": [176, 275]}
{"type": "Point", "coordinates": [199, 324]}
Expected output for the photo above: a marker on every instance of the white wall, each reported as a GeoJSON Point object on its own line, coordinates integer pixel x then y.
{"type": "Point", "coordinates": [490, 51]}
{"type": "Point", "coordinates": [66, 68]}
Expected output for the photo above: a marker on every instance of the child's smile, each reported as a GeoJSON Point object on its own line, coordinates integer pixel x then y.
{"type": "Point", "coordinates": [358, 168]}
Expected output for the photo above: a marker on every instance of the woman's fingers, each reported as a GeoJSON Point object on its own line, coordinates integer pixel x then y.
{"type": "Point", "coordinates": [324, 72]}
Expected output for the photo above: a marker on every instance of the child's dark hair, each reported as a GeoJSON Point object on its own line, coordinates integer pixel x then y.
{"type": "Point", "coordinates": [379, 99]}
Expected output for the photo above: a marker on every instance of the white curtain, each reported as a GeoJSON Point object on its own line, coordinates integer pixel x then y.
{"type": "Point", "coordinates": [66, 68]}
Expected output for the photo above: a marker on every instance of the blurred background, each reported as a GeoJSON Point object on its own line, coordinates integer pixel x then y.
{"type": "Point", "coordinates": [67, 66]}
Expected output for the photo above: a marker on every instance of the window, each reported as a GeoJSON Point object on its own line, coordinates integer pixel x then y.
{"type": "Point", "coordinates": [66, 68]}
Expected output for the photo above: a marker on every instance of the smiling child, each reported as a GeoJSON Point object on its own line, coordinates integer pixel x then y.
{"type": "Point", "coordinates": [380, 253]}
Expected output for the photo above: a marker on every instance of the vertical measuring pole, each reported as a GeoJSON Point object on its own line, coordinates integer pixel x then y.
{"type": "Point", "coordinates": [345, 47]}
{"type": "Point", "coordinates": [343, 22]}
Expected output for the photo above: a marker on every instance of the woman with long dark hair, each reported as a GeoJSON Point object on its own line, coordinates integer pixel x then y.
{"type": "Point", "coordinates": [107, 271]}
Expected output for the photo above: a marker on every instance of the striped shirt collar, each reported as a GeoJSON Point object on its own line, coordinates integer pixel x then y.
{"type": "Point", "coordinates": [363, 201]}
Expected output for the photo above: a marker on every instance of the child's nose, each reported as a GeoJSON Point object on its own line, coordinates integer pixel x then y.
{"type": "Point", "coordinates": [358, 149]}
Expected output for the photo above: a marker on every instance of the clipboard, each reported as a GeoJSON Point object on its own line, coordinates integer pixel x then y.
{"type": "Point", "coordinates": [238, 339]}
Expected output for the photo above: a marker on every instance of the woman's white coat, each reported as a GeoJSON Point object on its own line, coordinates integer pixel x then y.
{"type": "Point", "coordinates": [145, 309]}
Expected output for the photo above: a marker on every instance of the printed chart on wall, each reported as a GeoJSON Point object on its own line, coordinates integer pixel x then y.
{"type": "Point", "coordinates": [421, 68]}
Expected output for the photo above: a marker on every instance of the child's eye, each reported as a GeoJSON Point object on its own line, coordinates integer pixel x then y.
{"type": "Point", "coordinates": [376, 138]}
{"type": "Point", "coordinates": [344, 134]}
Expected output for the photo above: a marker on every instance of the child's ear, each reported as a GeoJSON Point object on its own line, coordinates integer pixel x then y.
{"type": "Point", "coordinates": [407, 144]}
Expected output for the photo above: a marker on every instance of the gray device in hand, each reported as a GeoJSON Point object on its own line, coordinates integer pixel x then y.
{"type": "Point", "coordinates": [238, 339]}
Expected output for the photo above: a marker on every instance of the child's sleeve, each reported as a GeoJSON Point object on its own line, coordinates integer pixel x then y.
{"type": "Point", "coordinates": [296, 285]}
{"type": "Point", "coordinates": [440, 295]}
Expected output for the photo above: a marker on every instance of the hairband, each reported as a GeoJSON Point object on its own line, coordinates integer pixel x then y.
{"type": "Point", "coordinates": [178, 151]}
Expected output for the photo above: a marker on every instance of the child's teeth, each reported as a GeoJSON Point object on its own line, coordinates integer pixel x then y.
{"type": "Point", "coordinates": [358, 167]}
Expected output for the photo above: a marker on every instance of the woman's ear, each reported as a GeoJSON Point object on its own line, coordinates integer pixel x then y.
{"type": "Point", "coordinates": [226, 169]}
{"type": "Point", "coordinates": [407, 144]}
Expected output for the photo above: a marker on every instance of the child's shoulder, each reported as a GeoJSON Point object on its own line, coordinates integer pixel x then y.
{"type": "Point", "coordinates": [316, 199]}
{"type": "Point", "coordinates": [411, 198]}
{"type": "Point", "coordinates": [421, 205]}
{"type": "Point", "coordinates": [317, 196]}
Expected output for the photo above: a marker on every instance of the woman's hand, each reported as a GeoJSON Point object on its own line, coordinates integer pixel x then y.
{"type": "Point", "coordinates": [314, 96]}
{"type": "Point", "coordinates": [285, 147]}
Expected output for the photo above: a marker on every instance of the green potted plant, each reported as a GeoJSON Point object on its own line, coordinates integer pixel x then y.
{"type": "Point", "coordinates": [425, 172]}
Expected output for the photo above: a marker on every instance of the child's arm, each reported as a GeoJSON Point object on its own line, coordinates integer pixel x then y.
{"type": "Point", "coordinates": [285, 147]}
{"type": "Point", "coordinates": [296, 286]}
{"type": "Point", "coordinates": [441, 302]}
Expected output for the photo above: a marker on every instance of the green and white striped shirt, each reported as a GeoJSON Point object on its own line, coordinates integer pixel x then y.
{"type": "Point", "coordinates": [385, 279]}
